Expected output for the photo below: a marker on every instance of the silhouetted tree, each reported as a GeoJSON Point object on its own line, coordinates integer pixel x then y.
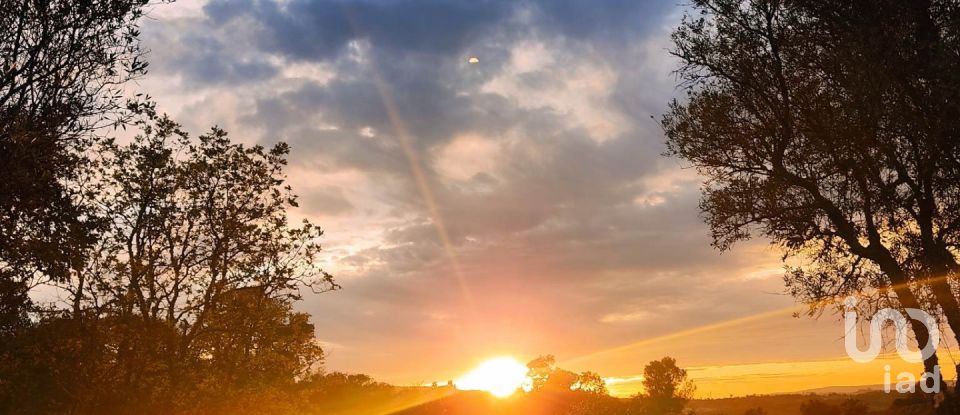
{"type": "Point", "coordinates": [561, 380]}
{"type": "Point", "coordinates": [62, 64]}
{"type": "Point", "coordinates": [540, 369]}
{"type": "Point", "coordinates": [592, 383]}
{"type": "Point", "coordinates": [546, 376]}
{"type": "Point", "coordinates": [830, 128]}
{"type": "Point", "coordinates": [185, 299]}
{"type": "Point", "coordinates": [666, 388]}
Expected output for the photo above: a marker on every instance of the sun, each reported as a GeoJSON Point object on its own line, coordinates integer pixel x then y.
{"type": "Point", "coordinates": [500, 376]}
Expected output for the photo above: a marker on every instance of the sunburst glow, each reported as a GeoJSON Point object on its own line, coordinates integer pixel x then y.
{"type": "Point", "coordinates": [500, 376]}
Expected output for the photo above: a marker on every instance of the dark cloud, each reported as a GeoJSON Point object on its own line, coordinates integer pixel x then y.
{"type": "Point", "coordinates": [615, 21]}
{"type": "Point", "coordinates": [206, 58]}
{"type": "Point", "coordinates": [319, 30]}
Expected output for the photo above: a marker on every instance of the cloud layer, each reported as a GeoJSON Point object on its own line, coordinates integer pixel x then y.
{"type": "Point", "coordinates": [519, 205]}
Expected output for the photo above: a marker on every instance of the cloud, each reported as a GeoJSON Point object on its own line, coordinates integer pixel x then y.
{"type": "Point", "coordinates": [540, 166]}
{"type": "Point", "coordinates": [316, 30]}
{"type": "Point", "coordinates": [327, 201]}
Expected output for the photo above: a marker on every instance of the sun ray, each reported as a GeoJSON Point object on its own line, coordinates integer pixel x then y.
{"type": "Point", "coordinates": [416, 170]}
{"type": "Point", "coordinates": [792, 310]}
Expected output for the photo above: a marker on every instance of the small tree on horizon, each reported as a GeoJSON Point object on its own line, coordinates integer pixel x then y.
{"type": "Point", "coordinates": [546, 376]}
{"type": "Point", "coordinates": [667, 388]}
{"type": "Point", "coordinates": [540, 369]}
{"type": "Point", "coordinates": [592, 383]}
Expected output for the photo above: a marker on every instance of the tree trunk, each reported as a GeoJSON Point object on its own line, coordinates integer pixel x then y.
{"type": "Point", "coordinates": [944, 267]}
{"type": "Point", "coordinates": [901, 287]}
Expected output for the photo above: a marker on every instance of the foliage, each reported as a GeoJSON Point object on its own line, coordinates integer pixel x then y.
{"type": "Point", "coordinates": [173, 257]}
{"type": "Point", "coordinates": [62, 67]}
{"type": "Point", "coordinates": [539, 371]}
{"type": "Point", "coordinates": [546, 376]}
{"type": "Point", "coordinates": [592, 383]}
{"type": "Point", "coordinates": [185, 300]}
{"type": "Point", "coordinates": [666, 388]}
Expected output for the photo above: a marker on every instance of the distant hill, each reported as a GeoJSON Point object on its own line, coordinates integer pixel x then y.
{"type": "Point", "coordinates": [846, 390]}
{"type": "Point", "coordinates": [851, 390]}
{"type": "Point", "coordinates": [789, 404]}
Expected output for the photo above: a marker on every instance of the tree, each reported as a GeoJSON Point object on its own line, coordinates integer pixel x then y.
{"type": "Point", "coordinates": [546, 376]}
{"type": "Point", "coordinates": [561, 381]}
{"type": "Point", "coordinates": [62, 66]}
{"type": "Point", "coordinates": [185, 299]}
{"type": "Point", "coordinates": [666, 387]}
{"type": "Point", "coordinates": [829, 129]}
{"type": "Point", "coordinates": [592, 383]}
{"type": "Point", "coordinates": [540, 370]}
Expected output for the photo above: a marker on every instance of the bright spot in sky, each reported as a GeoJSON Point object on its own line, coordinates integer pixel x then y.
{"type": "Point", "coordinates": [473, 59]}
{"type": "Point", "coordinates": [500, 376]}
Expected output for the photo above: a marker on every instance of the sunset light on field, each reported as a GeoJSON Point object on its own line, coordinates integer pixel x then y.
{"type": "Point", "coordinates": [500, 376]}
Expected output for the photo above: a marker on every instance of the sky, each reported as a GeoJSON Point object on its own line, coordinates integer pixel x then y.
{"type": "Point", "coordinates": [517, 206]}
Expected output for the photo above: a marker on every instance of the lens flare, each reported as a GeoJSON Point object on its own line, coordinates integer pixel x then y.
{"type": "Point", "coordinates": [501, 377]}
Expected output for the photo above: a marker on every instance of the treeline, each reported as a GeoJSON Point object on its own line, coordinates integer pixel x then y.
{"type": "Point", "coordinates": [184, 298]}
{"type": "Point", "coordinates": [148, 275]}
